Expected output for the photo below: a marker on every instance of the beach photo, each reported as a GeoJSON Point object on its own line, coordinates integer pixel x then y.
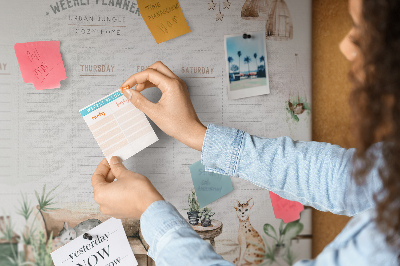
{"type": "Point", "coordinates": [246, 63]}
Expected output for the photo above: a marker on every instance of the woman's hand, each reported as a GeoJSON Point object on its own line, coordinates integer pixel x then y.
{"type": "Point", "coordinates": [174, 113]}
{"type": "Point", "coordinates": [127, 197]}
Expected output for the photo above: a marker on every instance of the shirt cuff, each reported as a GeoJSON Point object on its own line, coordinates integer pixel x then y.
{"type": "Point", "coordinates": [158, 219]}
{"type": "Point", "coordinates": [222, 148]}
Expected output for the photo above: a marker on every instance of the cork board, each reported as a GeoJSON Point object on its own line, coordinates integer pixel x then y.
{"type": "Point", "coordinates": [45, 141]}
{"type": "Point", "coordinates": [331, 89]}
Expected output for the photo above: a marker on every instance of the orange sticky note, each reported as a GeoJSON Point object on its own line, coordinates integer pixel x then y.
{"type": "Point", "coordinates": [284, 209]}
{"type": "Point", "coordinates": [41, 63]}
{"type": "Point", "coordinates": [164, 18]}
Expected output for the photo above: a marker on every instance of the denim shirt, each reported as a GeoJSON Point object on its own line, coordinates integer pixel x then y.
{"type": "Point", "coordinates": [312, 173]}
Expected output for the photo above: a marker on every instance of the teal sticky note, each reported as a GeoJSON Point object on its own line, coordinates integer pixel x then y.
{"type": "Point", "coordinates": [209, 186]}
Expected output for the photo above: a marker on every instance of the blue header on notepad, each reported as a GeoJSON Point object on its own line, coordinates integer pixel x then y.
{"type": "Point", "coordinates": [101, 103]}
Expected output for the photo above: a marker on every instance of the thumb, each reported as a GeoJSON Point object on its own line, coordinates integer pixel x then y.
{"type": "Point", "coordinates": [117, 167]}
{"type": "Point", "coordinates": [139, 101]}
{"type": "Point", "coordinates": [100, 174]}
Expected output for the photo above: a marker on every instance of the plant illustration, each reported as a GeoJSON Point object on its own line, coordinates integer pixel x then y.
{"type": "Point", "coordinates": [285, 233]}
{"type": "Point", "coordinates": [281, 242]}
{"type": "Point", "coordinates": [45, 200]}
{"type": "Point", "coordinates": [289, 256]}
{"type": "Point", "coordinates": [269, 255]}
{"type": "Point", "coordinates": [194, 208]}
{"type": "Point", "coordinates": [194, 205]}
{"type": "Point", "coordinates": [206, 214]}
{"type": "Point", "coordinates": [26, 211]}
{"type": "Point", "coordinates": [296, 107]}
{"type": "Point", "coordinates": [37, 248]}
{"type": "Point", "coordinates": [16, 258]}
{"type": "Point", "coordinates": [43, 250]}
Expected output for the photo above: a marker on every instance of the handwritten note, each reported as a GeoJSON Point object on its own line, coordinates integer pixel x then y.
{"type": "Point", "coordinates": [41, 63]}
{"type": "Point", "coordinates": [284, 209]}
{"type": "Point", "coordinates": [164, 18]}
{"type": "Point", "coordinates": [109, 246]}
{"type": "Point", "coordinates": [118, 126]}
{"type": "Point", "coordinates": [209, 186]}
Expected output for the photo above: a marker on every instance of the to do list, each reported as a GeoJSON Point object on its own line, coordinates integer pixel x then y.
{"type": "Point", "coordinates": [118, 126]}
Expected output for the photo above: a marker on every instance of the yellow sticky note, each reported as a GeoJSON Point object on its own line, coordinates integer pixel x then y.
{"type": "Point", "coordinates": [164, 18]}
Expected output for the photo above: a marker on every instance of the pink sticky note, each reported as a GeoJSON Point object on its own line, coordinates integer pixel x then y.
{"type": "Point", "coordinates": [286, 210]}
{"type": "Point", "coordinates": [41, 63]}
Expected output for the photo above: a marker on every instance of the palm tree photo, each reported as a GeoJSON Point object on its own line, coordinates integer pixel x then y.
{"type": "Point", "coordinates": [247, 60]}
{"type": "Point", "coordinates": [255, 58]}
{"type": "Point", "coordinates": [239, 53]}
{"type": "Point", "coordinates": [248, 51]}
{"type": "Point", "coordinates": [230, 60]}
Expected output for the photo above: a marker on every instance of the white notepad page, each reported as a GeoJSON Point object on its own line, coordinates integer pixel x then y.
{"type": "Point", "coordinates": [118, 126]}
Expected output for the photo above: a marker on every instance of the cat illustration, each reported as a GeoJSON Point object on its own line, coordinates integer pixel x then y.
{"type": "Point", "coordinates": [68, 234]}
{"type": "Point", "coordinates": [251, 244]}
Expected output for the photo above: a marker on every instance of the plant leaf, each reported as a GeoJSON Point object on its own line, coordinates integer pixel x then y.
{"type": "Point", "coordinates": [292, 230]}
{"type": "Point", "coordinates": [270, 231]}
{"type": "Point", "coordinates": [281, 227]}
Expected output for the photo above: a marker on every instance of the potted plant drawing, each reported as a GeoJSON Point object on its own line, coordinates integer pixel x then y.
{"type": "Point", "coordinates": [205, 216]}
{"type": "Point", "coordinates": [194, 208]}
{"type": "Point", "coordinates": [36, 248]}
{"type": "Point", "coordinates": [285, 234]}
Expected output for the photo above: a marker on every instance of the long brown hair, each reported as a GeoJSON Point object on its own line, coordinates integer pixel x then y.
{"type": "Point", "coordinates": [375, 103]}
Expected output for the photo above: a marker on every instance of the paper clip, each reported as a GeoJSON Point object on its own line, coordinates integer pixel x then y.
{"type": "Point", "coordinates": [88, 236]}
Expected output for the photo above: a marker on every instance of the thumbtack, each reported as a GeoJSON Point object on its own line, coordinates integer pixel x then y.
{"type": "Point", "coordinates": [125, 88]}
{"type": "Point", "coordinates": [246, 36]}
{"type": "Point", "coordinates": [88, 236]}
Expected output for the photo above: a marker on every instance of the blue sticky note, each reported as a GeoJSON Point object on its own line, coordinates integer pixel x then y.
{"type": "Point", "coordinates": [209, 186]}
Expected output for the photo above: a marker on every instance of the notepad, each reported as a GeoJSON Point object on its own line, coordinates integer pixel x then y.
{"type": "Point", "coordinates": [118, 126]}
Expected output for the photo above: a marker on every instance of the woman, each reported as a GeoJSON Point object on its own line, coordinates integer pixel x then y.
{"type": "Point", "coordinates": [362, 182]}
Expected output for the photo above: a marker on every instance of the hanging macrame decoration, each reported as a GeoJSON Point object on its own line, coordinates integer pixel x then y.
{"type": "Point", "coordinates": [297, 104]}
{"type": "Point", "coordinates": [256, 10]}
{"type": "Point", "coordinates": [279, 25]}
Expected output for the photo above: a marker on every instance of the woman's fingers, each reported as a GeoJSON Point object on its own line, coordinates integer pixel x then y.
{"type": "Point", "coordinates": [159, 80]}
{"type": "Point", "coordinates": [160, 67]}
{"type": "Point", "coordinates": [110, 177]}
{"type": "Point", "coordinates": [100, 174]}
{"type": "Point", "coordinates": [143, 86]}
{"type": "Point", "coordinates": [141, 102]}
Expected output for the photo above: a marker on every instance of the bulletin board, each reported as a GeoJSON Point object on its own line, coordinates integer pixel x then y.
{"type": "Point", "coordinates": [45, 143]}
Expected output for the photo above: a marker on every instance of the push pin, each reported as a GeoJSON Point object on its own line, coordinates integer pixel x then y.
{"type": "Point", "coordinates": [246, 36]}
{"type": "Point", "coordinates": [125, 88]}
{"type": "Point", "coordinates": [88, 236]}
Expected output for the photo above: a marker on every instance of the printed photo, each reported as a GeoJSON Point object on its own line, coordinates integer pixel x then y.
{"type": "Point", "coordinates": [246, 63]}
